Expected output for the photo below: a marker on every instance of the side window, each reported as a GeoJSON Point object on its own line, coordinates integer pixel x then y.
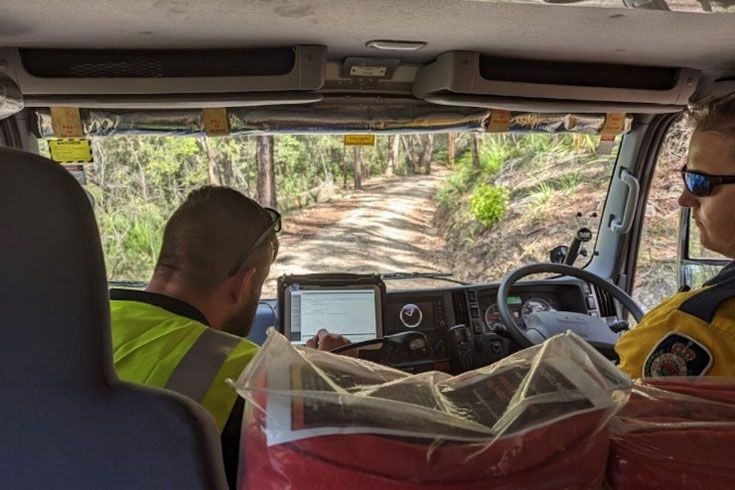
{"type": "Point", "coordinates": [657, 268]}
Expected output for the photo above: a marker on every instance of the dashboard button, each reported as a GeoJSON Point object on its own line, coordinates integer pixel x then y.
{"type": "Point", "coordinates": [477, 327]}
{"type": "Point", "coordinates": [591, 302]}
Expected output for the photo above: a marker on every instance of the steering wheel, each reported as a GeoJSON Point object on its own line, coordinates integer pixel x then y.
{"type": "Point", "coordinates": [594, 330]}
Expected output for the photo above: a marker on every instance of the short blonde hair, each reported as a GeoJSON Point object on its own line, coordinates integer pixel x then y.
{"type": "Point", "coordinates": [715, 115]}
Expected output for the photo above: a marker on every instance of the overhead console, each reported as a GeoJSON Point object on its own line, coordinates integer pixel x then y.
{"type": "Point", "coordinates": [292, 72]}
{"type": "Point", "coordinates": [473, 79]}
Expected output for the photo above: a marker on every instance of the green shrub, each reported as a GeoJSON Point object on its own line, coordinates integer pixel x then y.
{"type": "Point", "coordinates": [447, 197]}
{"type": "Point", "coordinates": [489, 203]}
{"type": "Point", "coordinates": [456, 185]}
{"type": "Point", "coordinates": [570, 181]}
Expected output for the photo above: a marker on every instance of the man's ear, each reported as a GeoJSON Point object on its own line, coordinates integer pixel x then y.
{"type": "Point", "coordinates": [241, 283]}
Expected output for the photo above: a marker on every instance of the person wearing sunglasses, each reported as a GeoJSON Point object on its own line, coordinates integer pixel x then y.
{"type": "Point", "coordinates": [185, 331]}
{"type": "Point", "coordinates": [693, 332]}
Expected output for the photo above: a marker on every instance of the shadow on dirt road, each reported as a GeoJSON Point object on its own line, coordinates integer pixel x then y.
{"type": "Point", "coordinates": [386, 227]}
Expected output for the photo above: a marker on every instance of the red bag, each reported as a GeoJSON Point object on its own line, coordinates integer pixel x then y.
{"type": "Point", "coordinates": [536, 420]}
{"type": "Point", "coordinates": [570, 454]}
{"type": "Point", "coordinates": [675, 433]}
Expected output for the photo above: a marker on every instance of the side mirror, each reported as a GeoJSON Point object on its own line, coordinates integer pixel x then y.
{"type": "Point", "coordinates": [558, 254]}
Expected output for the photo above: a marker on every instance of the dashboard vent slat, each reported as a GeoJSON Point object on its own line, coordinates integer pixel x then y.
{"type": "Point", "coordinates": [605, 302]}
{"type": "Point", "coordinates": [459, 302]}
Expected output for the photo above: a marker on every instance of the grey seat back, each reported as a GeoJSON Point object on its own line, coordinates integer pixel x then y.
{"type": "Point", "coordinates": [67, 421]}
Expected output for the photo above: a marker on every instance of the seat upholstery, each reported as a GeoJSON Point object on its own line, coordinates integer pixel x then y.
{"type": "Point", "coordinates": [68, 422]}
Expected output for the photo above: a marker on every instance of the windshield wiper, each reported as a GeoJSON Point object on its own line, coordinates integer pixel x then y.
{"type": "Point", "coordinates": [442, 276]}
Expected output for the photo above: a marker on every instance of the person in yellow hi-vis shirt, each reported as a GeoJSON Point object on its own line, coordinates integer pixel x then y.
{"type": "Point", "coordinates": [693, 332]}
{"type": "Point", "coordinates": [185, 331]}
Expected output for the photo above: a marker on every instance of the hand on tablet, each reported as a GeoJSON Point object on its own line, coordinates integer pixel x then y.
{"type": "Point", "coordinates": [323, 340]}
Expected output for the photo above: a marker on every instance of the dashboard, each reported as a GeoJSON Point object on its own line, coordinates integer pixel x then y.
{"type": "Point", "coordinates": [434, 311]}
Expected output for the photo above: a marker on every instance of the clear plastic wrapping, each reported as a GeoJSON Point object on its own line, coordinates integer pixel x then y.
{"type": "Point", "coordinates": [537, 419]}
{"type": "Point", "coordinates": [329, 118]}
{"type": "Point", "coordinates": [11, 100]}
{"type": "Point", "coordinates": [675, 433]}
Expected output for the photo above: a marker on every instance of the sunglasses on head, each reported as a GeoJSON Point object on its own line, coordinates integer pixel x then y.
{"type": "Point", "coordinates": [701, 185]}
{"type": "Point", "coordinates": [274, 226]}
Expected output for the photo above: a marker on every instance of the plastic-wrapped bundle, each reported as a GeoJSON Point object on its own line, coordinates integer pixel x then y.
{"type": "Point", "coordinates": [675, 433]}
{"type": "Point", "coordinates": [537, 419]}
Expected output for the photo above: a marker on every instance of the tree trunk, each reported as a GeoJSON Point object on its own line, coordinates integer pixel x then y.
{"type": "Point", "coordinates": [358, 167]}
{"type": "Point", "coordinates": [475, 152]}
{"type": "Point", "coordinates": [141, 170]}
{"type": "Point", "coordinates": [412, 156]}
{"type": "Point", "coordinates": [266, 172]}
{"type": "Point", "coordinates": [451, 147]}
{"type": "Point", "coordinates": [274, 200]}
{"type": "Point", "coordinates": [345, 167]}
{"type": "Point", "coordinates": [211, 161]}
{"type": "Point", "coordinates": [394, 146]}
{"type": "Point", "coordinates": [228, 173]}
{"type": "Point", "coordinates": [425, 161]}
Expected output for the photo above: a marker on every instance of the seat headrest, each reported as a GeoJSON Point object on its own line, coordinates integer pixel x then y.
{"type": "Point", "coordinates": [54, 310]}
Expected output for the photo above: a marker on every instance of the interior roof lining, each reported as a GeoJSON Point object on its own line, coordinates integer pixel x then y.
{"type": "Point", "coordinates": [562, 32]}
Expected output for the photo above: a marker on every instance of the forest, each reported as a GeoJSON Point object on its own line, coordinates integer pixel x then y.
{"type": "Point", "coordinates": [506, 199]}
{"type": "Point", "coordinates": [137, 181]}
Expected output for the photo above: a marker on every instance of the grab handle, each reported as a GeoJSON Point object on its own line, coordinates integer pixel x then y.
{"type": "Point", "coordinates": [622, 226]}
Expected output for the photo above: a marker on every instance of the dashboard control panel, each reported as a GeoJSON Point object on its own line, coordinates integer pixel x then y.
{"type": "Point", "coordinates": [483, 337]}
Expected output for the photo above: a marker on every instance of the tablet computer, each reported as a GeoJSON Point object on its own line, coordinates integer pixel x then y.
{"type": "Point", "coordinates": [350, 308]}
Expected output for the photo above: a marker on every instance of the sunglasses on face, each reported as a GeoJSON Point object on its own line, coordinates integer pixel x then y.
{"type": "Point", "coordinates": [274, 226]}
{"type": "Point", "coordinates": [701, 185]}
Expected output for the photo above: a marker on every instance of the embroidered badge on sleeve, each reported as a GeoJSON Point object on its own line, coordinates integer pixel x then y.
{"type": "Point", "coordinates": [677, 354]}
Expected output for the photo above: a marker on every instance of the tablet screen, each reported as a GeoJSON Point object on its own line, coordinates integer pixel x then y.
{"type": "Point", "coordinates": [349, 311]}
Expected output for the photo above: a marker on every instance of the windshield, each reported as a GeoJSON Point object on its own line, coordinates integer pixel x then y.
{"type": "Point", "coordinates": [471, 206]}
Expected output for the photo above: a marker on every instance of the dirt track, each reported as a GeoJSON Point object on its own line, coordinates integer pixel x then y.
{"type": "Point", "coordinates": [386, 227]}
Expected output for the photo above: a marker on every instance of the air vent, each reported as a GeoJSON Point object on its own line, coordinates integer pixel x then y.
{"type": "Point", "coordinates": [459, 302]}
{"type": "Point", "coordinates": [92, 63]}
{"type": "Point", "coordinates": [605, 302]}
{"type": "Point", "coordinates": [469, 73]}
{"type": "Point", "coordinates": [151, 72]}
{"type": "Point", "coordinates": [578, 74]}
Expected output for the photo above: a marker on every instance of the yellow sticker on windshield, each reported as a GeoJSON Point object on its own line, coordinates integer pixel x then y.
{"type": "Point", "coordinates": [499, 121]}
{"type": "Point", "coordinates": [70, 150]}
{"type": "Point", "coordinates": [359, 140]}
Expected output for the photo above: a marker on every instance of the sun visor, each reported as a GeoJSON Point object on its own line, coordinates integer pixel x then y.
{"type": "Point", "coordinates": [11, 100]}
{"type": "Point", "coordinates": [126, 72]}
{"type": "Point", "coordinates": [468, 75]}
